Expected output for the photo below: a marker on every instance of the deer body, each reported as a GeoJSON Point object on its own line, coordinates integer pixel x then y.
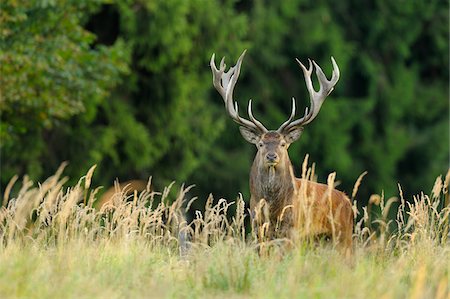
{"type": "Point", "coordinates": [127, 187]}
{"type": "Point", "coordinates": [315, 209]}
{"type": "Point", "coordinates": [276, 186]}
{"type": "Point", "coordinates": [295, 206]}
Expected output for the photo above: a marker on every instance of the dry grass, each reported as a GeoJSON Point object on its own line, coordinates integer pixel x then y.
{"type": "Point", "coordinates": [55, 244]}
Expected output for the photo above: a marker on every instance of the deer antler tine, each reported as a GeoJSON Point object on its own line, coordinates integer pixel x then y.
{"type": "Point", "coordinates": [249, 109]}
{"type": "Point", "coordinates": [224, 82]}
{"type": "Point", "coordinates": [316, 97]}
{"type": "Point", "coordinates": [301, 65]}
{"type": "Point", "coordinates": [253, 119]}
{"type": "Point", "coordinates": [293, 108]}
{"type": "Point", "coordinates": [320, 75]}
{"type": "Point", "coordinates": [308, 70]}
{"type": "Point", "coordinates": [281, 128]}
{"type": "Point", "coordinates": [336, 72]}
{"type": "Point", "coordinates": [222, 64]}
{"type": "Point", "coordinates": [237, 67]}
{"type": "Point", "coordinates": [242, 56]}
{"type": "Point", "coordinates": [307, 74]}
{"type": "Point", "coordinates": [211, 62]}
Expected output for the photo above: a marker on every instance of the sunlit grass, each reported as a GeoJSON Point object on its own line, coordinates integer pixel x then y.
{"type": "Point", "coordinates": [54, 244]}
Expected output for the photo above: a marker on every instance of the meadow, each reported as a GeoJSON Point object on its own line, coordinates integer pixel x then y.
{"type": "Point", "coordinates": [54, 243]}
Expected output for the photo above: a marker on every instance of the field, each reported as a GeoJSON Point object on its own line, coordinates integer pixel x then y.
{"type": "Point", "coordinates": [55, 244]}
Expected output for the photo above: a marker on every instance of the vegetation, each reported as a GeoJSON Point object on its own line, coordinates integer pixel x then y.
{"type": "Point", "coordinates": [49, 75]}
{"type": "Point", "coordinates": [126, 85]}
{"type": "Point", "coordinates": [54, 245]}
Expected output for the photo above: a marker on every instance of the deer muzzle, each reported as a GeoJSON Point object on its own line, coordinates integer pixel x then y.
{"type": "Point", "coordinates": [272, 159]}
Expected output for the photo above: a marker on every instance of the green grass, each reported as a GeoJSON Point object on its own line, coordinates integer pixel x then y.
{"type": "Point", "coordinates": [133, 269]}
{"type": "Point", "coordinates": [53, 246]}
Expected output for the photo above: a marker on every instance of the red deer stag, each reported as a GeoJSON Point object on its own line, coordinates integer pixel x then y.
{"type": "Point", "coordinates": [289, 201]}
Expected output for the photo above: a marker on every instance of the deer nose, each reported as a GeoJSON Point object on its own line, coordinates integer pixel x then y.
{"type": "Point", "coordinates": [271, 157]}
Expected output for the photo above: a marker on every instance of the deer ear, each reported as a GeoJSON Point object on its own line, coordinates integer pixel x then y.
{"type": "Point", "coordinates": [293, 135]}
{"type": "Point", "coordinates": [249, 135]}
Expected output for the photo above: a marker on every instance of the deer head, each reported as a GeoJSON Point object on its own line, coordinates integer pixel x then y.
{"type": "Point", "coordinates": [272, 145]}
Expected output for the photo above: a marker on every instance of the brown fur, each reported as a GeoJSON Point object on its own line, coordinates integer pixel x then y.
{"type": "Point", "coordinates": [324, 210]}
{"type": "Point", "coordinates": [315, 209]}
{"type": "Point", "coordinates": [129, 186]}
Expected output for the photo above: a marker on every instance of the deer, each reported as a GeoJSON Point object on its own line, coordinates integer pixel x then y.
{"type": "Point", "coordinates": [295, 206]}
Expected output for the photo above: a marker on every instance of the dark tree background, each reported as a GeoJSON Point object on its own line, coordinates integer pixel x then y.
{"type": "Point", "coordinates": [126, 84]}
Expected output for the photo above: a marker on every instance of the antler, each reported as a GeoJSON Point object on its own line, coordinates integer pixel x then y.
{"type": "Point", "coordinates": [224, 82]}
{"type": "Point", "coordinates": [317, 97]}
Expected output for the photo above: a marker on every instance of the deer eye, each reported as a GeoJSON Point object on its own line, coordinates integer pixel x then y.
{"type": "Point", "coordinates": [260, 144]}
{"type": "Point", "coordinates": [283, 144]}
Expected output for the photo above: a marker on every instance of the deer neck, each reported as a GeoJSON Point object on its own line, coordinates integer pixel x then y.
{"type": "Point", "coordinates": [276, 186]}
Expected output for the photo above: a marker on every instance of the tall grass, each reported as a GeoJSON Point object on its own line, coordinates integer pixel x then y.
{"type": "Point", "coordinates": [55, 244]}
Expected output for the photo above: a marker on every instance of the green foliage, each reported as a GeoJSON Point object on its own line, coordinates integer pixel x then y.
{"type": "Point", "coordinates": [389, 111]}
{"type": "Point", "coordinates": [49, 73]}
{"type": "Point", "coordinates": [134, 95]}
{"type": "Point", "coordinates": [160, 122]}
{"type": "Point", "coordinates": [405, 86]}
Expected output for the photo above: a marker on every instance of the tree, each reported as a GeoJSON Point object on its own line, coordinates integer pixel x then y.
{"type": "Point", "coordinates": [49, 73]}
{"type": "Point", "coordinates": [160, 121]}
{"type": "Point", "coordinates": [134, 94]}
{"type": "Point", "coordinates": [389, 112]}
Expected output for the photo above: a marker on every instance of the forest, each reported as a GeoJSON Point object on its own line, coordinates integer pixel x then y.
{"type": "Point", "coordinates": [126, 85]}
{"type": "Point", "coordinates": [94, 92]}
